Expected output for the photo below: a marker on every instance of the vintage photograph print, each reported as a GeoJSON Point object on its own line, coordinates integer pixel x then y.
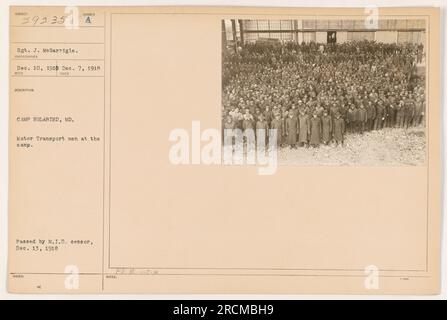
{"type": "Point", "coordinates": [336, 91]}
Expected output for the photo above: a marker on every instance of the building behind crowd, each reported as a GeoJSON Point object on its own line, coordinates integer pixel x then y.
{"type": "Point", "coordinates": [324, 31]}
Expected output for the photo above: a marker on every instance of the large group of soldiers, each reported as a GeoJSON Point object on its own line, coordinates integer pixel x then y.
{"type": "Point", "coordinates": [314, 94]}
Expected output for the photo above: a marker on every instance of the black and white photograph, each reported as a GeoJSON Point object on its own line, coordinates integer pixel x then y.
{"type": "Point", "coordinates": [338, 91]}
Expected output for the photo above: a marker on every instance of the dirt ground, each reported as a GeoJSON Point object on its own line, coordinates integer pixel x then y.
{"type": "Point", "coordinates": [389, 146]}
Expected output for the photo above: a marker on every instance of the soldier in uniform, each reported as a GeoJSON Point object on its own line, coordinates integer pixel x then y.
{"type": "Point", "coordinates": [333, 110]}
{"type": "Point", "coordinates": [400, 114]}
{"type": "Point", "coordinates": [237, 118]}
{"type": "Point", "coordinates": [291, 130]}
{"type": "Point", "coordinates": [248, 122]}
{"type": "Point", "coordinates": [371, 115]}
{"type": "Point", "coordinates": [315, 130]}
{"type": "Point", "coordinates": [423, 110]}
{"type": "Point", "coordinates": [339, 129]}
{"type": "Point", "coordinates": [420, 52]}
{"type": "Point", "coordinates": [319, 110]}
{"type": "Point", "coordinates": [229, 123]}
{"type": "Point", "coordinates": [284, 116]}
{"type": "Point", "coordinates": [352, 116]}
{"type": "Point", "coordinates": [419, 112]}
{"type": "Point", "coordinates": [262, 128]}
{"type": "Point", "coordinates": [228, 130]}
{"type": "Point", "coordinates": [409, 111]}
{"type": "Point", "coordinates": [390, 116]}
{"type": "Point", "coordinates": [326, 121]}
{"type": "Point", "coordinates": [303, 128]}
{"type": "Point", "coordinates": [248, 126]}
{"type": "Point", "coordinates": [268, 115]}
{"type": "Point", "coordinates": [362, 118]}
{"type": "Point", "coordinates": [380, 116]}
{"type": "Point", "coordinates": [277, 125]}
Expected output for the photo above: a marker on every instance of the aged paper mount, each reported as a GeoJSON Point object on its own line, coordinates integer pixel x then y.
{"type": "Point", "coordinates": [224, 150]}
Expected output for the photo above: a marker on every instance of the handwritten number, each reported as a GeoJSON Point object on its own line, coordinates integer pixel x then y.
{"type": "Point", "coordinates": [35, 20]}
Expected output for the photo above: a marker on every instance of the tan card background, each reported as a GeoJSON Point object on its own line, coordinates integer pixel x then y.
{"type": "Point", "coordinates": [157, 227]}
